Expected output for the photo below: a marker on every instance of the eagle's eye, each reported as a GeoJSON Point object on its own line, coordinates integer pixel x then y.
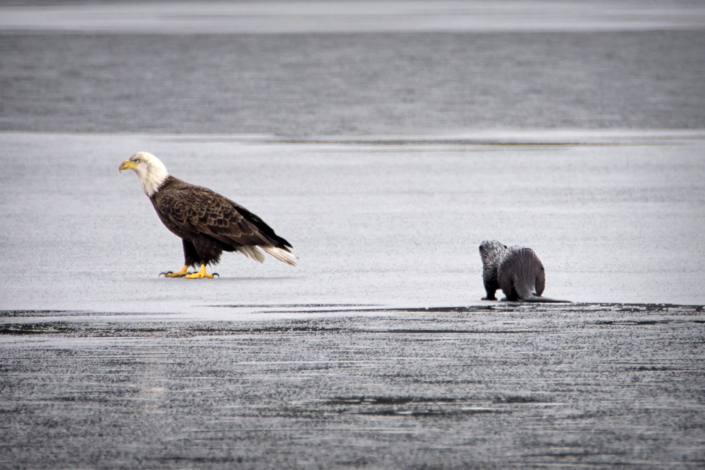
{"type": "Point", "coordinates": [137, 161]}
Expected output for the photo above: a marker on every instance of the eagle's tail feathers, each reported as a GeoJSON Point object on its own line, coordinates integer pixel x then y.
{"type": "Point", "coordinates": [280, 254]}
{"type": "Point", "coordinates": [251, 252]}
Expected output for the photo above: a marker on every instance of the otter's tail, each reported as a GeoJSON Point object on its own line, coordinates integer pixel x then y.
{"type": "Point", "coordinates": [539, 299]}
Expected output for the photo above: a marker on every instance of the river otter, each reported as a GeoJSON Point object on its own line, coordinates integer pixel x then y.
{"type": "Point", "coordinates": [516, 270]}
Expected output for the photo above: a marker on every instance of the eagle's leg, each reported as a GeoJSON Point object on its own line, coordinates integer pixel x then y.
{"type": "Point", "coordinates": [181, 273]}
{"type": "Point", "coordinates": [202, 274]}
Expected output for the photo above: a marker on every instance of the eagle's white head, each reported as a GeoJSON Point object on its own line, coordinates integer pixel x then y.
{"type": "Point", "coordinates": [150, 170]}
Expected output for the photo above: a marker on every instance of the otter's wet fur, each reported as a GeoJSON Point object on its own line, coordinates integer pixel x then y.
{"type": "Point", "coordinates": [515, 269]}
{"type": "Point", "coordinates": [491, 253]}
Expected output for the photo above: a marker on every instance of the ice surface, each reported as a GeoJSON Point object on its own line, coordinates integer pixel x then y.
{"type": "Point", "coordinates": [390, 221]}
{"type": "Point", "coordinates": [372, 140]}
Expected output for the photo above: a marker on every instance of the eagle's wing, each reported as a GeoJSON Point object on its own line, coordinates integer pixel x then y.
{"type": "Point", "coordinates": [200, 210]}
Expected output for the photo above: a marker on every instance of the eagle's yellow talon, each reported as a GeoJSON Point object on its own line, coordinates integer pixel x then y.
{"type": "Point", "coordinates": [181, 273]}
{"type": "Point", "coordinates": [171, 274]}
{"type": "Point", "coordinates": [202, 274]}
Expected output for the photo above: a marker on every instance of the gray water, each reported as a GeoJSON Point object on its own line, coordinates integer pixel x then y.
{"type": "Point", "coordinates": [513, 387]}
{"type": "Point", "coordinates": [340, 84]}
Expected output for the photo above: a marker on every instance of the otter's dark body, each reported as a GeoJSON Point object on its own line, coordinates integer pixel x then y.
{"type": "Point", "coordinates": [520, 274]}
{"type": "Point", "coordinates": [515, 269]}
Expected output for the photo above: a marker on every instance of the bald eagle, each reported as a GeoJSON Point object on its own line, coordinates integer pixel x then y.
{"type": "Point", "coordinates": [207, 222]}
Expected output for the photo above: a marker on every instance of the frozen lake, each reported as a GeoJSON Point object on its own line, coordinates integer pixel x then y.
{"type": "Point", "coordinates": [384, 221]}
{"type": "Point", "coordinates": [385, 141]}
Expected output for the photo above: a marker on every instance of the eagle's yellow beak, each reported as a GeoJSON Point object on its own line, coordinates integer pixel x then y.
{"type": "Point", "coordinates": [127, 165]}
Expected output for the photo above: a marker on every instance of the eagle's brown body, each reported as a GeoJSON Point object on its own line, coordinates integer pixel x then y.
{"type": "Point", "coordinates": [209, 223]}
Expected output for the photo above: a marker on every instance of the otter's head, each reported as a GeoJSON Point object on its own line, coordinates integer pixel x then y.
{"type": "Point", "coordinates": [490, 251]}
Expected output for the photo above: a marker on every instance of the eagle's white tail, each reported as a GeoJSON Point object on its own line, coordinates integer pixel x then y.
{"type": "Point", "coordinates": [251, 252]}
{"type": "Point", "coordinates": [282, 255]}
